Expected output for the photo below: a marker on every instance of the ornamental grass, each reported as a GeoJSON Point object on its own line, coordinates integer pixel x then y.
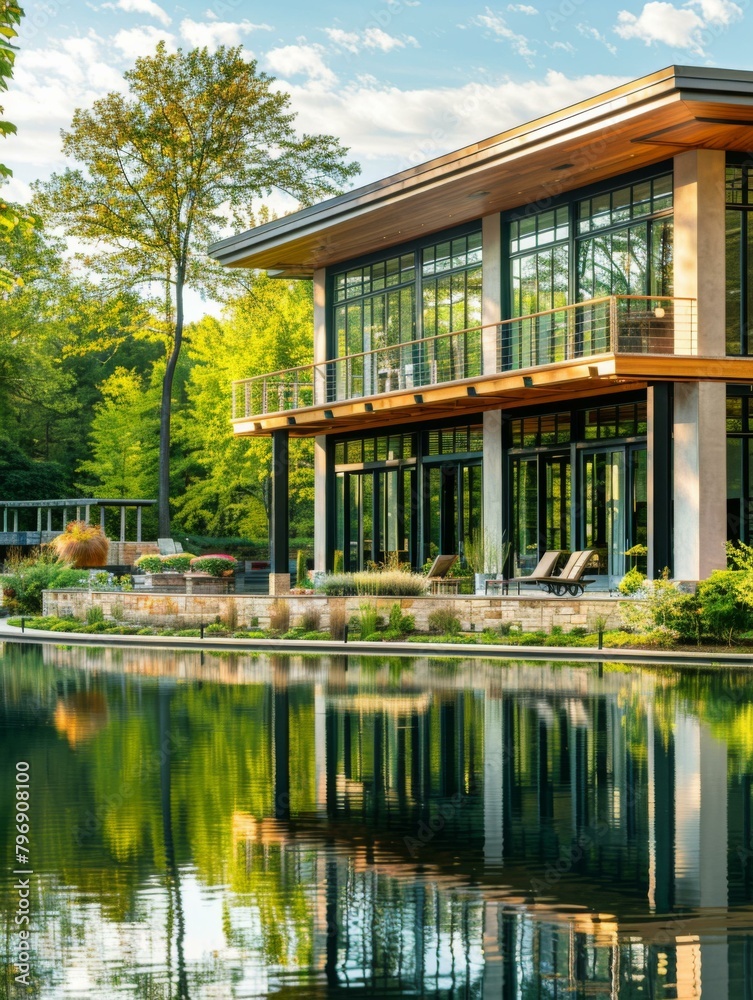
{"type": "Point", "coordinates": [82, 545]}
{"type": "Point", "coordinates": [370, 584]}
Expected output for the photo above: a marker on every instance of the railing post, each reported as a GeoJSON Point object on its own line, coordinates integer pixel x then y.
{"type": "Point", "coordinates": [102, 519]}
{"type": "Point", "coordinates": [49, 518]}
{"type": "Point", "coordinates": [87, 508]}
{"type": "Point", "coordinates": [122, 523]}
{"type": "Point", "coordinates": [5, 519]}
{"type": "Point", "coordinates": [613, 334]}
{"type": "Point", "coordinates": [15, 521]}
{"type": "Point", "coordinates": [39, 520]}
{"type": "Point", "coordinates": [138, 524]}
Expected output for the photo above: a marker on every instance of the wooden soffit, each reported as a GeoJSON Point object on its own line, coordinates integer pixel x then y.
{"type": "Point", "coordinates": [603, 374]}
{"type": "Point", "coordinates": [633, 126]}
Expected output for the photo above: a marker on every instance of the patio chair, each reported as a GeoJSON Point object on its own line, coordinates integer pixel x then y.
{"type": "Point", "coordinates": [543, 570]}
{"type": "Point", "coordinates": [437, 575]}
{"type": "Point", "coordinates": [570, 580]}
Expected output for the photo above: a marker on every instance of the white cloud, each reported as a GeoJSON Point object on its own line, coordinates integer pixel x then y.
{"type": "Point", "coordinates": [216, 33]}
{"type": "Point", "coordinates": [521, 8]}
{"type": "Point", "coordinates": [588, 32]}
{"type": "Point", "coordinates": [563, 47]}
{"type": "Point", "coordinates": [496, 25]}
{"type": "Point", "coordinates": [48, 85]}
{"type": "Point", "coordinates": [301, 60]}
{"type": "Point", "coordinates": [388, 129]}
{"type": "Point", "coordinates": [142, 41]}
{"type": "Point", "coordinates": [141, 7]}
{"type": "Point", "coordinates": [348, 40]}
{"type": "Point", "coordinates": [680, 27]}
{"type": "Point", "coordinates": [372, 38]}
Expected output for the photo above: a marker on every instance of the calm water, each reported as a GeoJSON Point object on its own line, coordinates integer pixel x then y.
{"type": "Point", "coordinates": [236, 826]}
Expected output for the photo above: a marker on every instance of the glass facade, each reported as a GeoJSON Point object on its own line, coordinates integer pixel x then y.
{"type": "Point", "coordinates": [739, 259]}
{"type": "Point", "coordinates": [739, 464]}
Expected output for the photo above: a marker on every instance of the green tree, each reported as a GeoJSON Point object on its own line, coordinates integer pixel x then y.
{"type": "Point", "coordinates": [199, 136]}
{"type": "Point", "coordinates": [10, 17]}
{"type": "Point", "coordinates": [226, 479]}
{"type": "Point", "coordinates": [123, 438]}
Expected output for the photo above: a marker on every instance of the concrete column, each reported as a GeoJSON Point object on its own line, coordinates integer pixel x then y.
{"type": "Point", "coordinates": [49, 518]}
{"type": "Point", "coordinates": [699, 243]}
{"type": "Point", "coordinates": [39, 518]}
{"type": "Point", "coordinates": [321, 503]}
{"type": "Point", "coordinates": [493, 512]}
{"type": "Point", "coordinates": [700, 479]}
{"type": "Point", "coordinates": [15, 521]}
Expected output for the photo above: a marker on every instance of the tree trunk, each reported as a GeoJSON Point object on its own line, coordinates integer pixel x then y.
{"type": "Point", "coordinates": [165, 413]}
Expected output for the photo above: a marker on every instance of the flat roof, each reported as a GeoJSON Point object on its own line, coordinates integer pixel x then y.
{"type": "Point", "coordinates": [627, 128]}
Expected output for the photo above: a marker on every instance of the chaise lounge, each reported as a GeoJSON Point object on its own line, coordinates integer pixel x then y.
{"type": "Point", "coordinates": [570, 580]}
{"type": "Point", "coordinates": [542, 571]}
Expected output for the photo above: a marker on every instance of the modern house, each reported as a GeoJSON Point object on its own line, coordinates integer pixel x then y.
{"type": "Point", "coordinates": [544, 337]}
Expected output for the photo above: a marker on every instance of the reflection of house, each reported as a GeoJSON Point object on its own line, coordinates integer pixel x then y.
{"type": "Point", "coordinates": [81, 715]}
{"type": "Point", "coordinates": [545, 333]}
{"type": "Point", "coordinates": [589, 837]}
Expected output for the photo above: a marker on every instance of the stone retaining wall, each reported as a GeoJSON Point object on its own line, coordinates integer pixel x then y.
{"type": "Point", "coordinates": [240, 610]}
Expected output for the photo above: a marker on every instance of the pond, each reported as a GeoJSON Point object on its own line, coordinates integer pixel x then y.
{"type": "Point", "coordinates": [235, 826]}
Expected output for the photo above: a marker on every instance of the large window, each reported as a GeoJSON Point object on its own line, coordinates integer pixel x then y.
{"type": "Point", "coordinates": [739, 464]}
{"type": "Point", "coordinates": [375, 305]}
{"type": "Point", "coordinates": [618, 242]}
{"type": "Point", "coordinates": [739, 260]}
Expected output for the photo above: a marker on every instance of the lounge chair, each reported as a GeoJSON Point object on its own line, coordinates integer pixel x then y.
{"type": "Point", "coordinates": [570, 580]}
{"type": "Point", "coordinates": [438, 572]}
{"type": "Point", "coordinates": [543, 570]}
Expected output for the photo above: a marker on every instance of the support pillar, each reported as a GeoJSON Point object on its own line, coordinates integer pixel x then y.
{"type": "Point", "coordinates": [15, 521]}
{"type": "Point", "coordinates": [279, 578]}
{"type": "Point", "coordinates": [122, 523]}
{"type": "Point", "coordinates": [138, 523]}
{"type": "Point", "coordinates": [320, 504]}
{"type": "Point", "coordinates": [700, 479]}
{"type": "Point", "coordinates": [49, 518]}
{"type": "Point", "coordinates": [700, 456]}
{"type": "Point", "coordinates": [493, 491]}
{"type": "Point", "coordinates": [39, 519]}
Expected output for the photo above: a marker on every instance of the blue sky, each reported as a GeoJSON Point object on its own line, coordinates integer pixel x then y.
{"type": "Point", "coordinates": [398, 81]}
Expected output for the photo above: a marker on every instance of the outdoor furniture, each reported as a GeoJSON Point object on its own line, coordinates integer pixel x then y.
{"type": "Point", "coordinates": [542, 571]}
{"type": "Point", "coordinates": [570, 580]}
{"type": "Point", "coordinates": [497, 582]}
{"type": "Point", "coordinates": [437, 575]}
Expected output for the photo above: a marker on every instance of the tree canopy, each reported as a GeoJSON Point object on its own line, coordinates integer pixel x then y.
{"type": "Point", "coordinates": [168, 167]}
{"type": "Point", "coordinates": [10, 18]}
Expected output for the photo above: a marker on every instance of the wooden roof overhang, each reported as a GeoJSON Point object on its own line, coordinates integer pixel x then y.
{"type": "Point", "coordinates": [601, 374]}
{"type": "Point", "coordinates": [632, 126]}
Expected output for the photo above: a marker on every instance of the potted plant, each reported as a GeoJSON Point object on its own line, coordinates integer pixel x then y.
{"type": "Point", "coordinates": [214, 565]}
{"type": "Point", "coordinates": [485, 557]}
{"type": "Point", "coordinates": [82, 545]}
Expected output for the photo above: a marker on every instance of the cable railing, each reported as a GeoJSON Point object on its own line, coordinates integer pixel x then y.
{"type": "Point", "coordinates": [616, 324]}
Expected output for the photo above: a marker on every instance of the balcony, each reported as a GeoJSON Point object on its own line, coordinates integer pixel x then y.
{"type": "Point", "coordinates": [616, 340]}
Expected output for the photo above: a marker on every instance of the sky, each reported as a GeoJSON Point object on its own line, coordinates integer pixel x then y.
{"type": "Point", "coordinates": [397, 81]}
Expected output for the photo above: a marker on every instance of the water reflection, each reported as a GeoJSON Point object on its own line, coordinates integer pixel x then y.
{"type": "Point", "coordinates": [240, 826]}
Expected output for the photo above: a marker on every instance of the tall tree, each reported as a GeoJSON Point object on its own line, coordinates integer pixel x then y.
{"type": "Point", "coordinates": [198, 137]}
{"type": "Point", "coordinates": [10, 17]}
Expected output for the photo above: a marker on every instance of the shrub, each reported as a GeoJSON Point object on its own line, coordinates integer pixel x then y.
{"type": "Point", "coordinates": [177, 562]}
{"type": "Point", "coordinates": [400, 624]}
{"type": "Point", "coordinates": [215, 565]}
{"type": "Point", "coordinates": [28, 577]}
{"type": "Point", "coordinates": [216, 628]}
{"type": "Point", "coordinates": [94, 615]}
{"type": "Point", "coordinates": [311, 619]}
{"type": "Point", "coordinates": [631, 582]}
{"type": "Point", "coordinates": [722, 613]}
{"type": "Point", "coordinates": [81, 545]}
{"type": "Point", "coordinates": [301, 571]}
{"type": "Point", "coordinates": [279, 617]}
{"type": "Point", "coordinates": [337, 621]}
{"type": "Point", "coordinates": [444, 621]}
{"type": "Point", "coordinates": [255, 634]}
{"type": "Point", "coordinates": [150, 562]}
{"type": "Point", "coordinates": [368, 620]}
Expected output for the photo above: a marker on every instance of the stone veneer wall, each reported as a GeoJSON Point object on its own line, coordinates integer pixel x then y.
{"type": "Point", "coordinates": [126, 553]}
{"type": "Point", "coordinates": [185, 610]}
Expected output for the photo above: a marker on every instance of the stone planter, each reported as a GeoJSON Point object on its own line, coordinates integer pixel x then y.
{"type": "Point", "coordinates": [205, 583]}
{"type": "Point", "coordinates": [173, 581]}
